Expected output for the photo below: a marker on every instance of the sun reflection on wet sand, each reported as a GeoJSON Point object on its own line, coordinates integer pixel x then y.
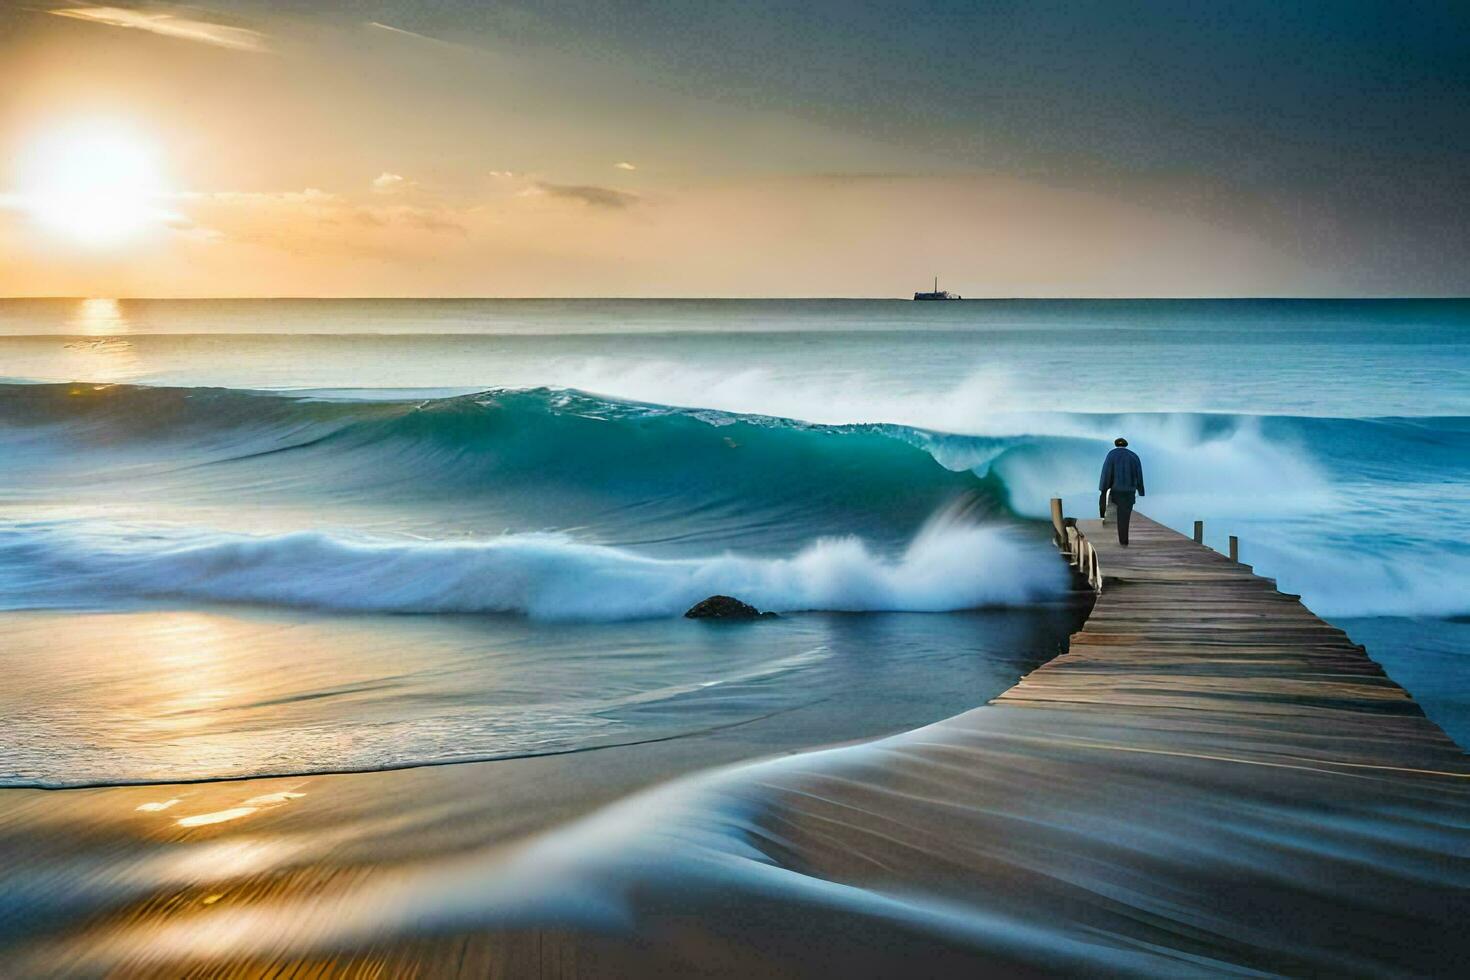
{"type": "Point", "coordinates": [218, 816]}
{"type": "Point", "coordinates": [221, 859]}
{"type": "Point", "coordinates": [271, 799]}
{"type": "Point", "coordinates": [265, 801]}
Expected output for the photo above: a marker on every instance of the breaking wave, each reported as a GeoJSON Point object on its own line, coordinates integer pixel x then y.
{"type": "Point", "coordinates": [950, 565]}
{"type": "Point", "coordinates": [1352, 513]}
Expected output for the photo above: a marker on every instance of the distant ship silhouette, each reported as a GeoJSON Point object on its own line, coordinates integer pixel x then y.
{"type": "Point", "coordinates": [937, 293]}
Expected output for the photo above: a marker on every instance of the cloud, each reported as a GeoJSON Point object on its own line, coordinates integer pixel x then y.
{"type": "Point", "coordinates": [188, 228]}
{"type": "Point", "coordinates": [503, 174]}
{"type": "Point", "coordinates": [624, 165]}
{"type": "Point", "coordinates": [413, 34]}
{"type": "Point", "coordinates": [386, 183]}
{"type": "Point", "coordinates": [313, 220]}
{"type": "Point", "coordinates": [589, 194]}
{"type": "Point", "coordinates": [159, 20]}
{"type": "Point", "coordinates": [867, 176]}
{"type": "Point", "coordinates": [428, 219]}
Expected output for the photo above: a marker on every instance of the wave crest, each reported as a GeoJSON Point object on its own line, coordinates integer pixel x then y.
{"type": "Point", "coordinates": [949, 565]}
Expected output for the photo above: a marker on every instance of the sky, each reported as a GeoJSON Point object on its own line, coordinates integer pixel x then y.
{"type": "Point", "coordinates": [820, 148]}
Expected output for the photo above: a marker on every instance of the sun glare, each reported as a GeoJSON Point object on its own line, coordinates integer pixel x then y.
{"type": "Point", "coordinates": [93, 183]}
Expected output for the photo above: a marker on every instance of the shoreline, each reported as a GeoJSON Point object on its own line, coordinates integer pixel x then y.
{"type": "Point", "coordinates": [327, 831]}
{"type": "Point", "coordinates": [161, 784]}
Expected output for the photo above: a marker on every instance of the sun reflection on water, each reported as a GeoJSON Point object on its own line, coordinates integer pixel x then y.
{"type": "Point", "coordinates": [191, 673]}
{"type": "Point", "coordinates": [98, 317]}
{"type": "Point", "coordinates": [99, 349]}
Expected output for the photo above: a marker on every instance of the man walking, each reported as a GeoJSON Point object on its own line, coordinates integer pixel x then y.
{"type": "Point", "coordinates": [1122, 476]}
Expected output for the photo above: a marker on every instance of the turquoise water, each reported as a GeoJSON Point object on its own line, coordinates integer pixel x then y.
{"type": "Point", "coordinates": [464, 529]}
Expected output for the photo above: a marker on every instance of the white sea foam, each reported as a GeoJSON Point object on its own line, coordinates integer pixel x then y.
{"type": "Point", "coordinates": [1224, 469]}
{"type": "Point", "coordinates": [969, 407]}
{"type": "Point", "coordinates": [948, 566]}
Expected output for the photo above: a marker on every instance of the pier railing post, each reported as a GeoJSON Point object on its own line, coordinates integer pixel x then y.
{"type": "Point", "coordinates": [1234, 548]}
{"type": "Point", "coordinates": [1199, 532]}
{"type": "Point", "coordinates": [1057, 526]}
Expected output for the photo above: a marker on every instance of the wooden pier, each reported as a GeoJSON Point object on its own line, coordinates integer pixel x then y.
{"type": "Point", "coordinates": [1186, 625]}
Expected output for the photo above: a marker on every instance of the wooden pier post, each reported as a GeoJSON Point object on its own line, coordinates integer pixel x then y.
{"type": "Point", "coordinates": [1059, 528]}
{"type": "Point", "coordinates": [1234, 548]}
{"type": "Point", "coordinates": [1199, 532]}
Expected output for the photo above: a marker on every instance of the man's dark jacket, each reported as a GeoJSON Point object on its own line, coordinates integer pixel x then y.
{"type": "Point", "coordinates": [1122, 471]}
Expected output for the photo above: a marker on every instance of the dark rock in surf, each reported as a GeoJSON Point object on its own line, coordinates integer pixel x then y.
{"type": "Point", "coordinates": [725, 607]}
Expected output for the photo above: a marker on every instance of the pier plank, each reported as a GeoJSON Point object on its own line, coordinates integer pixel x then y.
{"type": "Point", "coordinates": [1180, 626]}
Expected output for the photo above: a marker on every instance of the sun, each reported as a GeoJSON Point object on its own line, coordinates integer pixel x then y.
{"type": "Point", "coordinates": [96, 183]}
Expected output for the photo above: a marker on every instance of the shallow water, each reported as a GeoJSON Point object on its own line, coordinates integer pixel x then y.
{"type": "Point", "coordinates": [200, 693]}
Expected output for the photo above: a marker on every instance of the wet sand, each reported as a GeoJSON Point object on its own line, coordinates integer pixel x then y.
{"type": "Point", "coordinates": [1210, 781]}
{"type": "Point", "coordinates": [80, 861]}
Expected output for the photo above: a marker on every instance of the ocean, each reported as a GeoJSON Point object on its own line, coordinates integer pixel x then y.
{"type": "Point", "coordinates": [274, 537]}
